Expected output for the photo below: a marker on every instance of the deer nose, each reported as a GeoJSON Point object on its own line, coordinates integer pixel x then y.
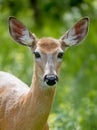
{"type": "Point", "coordinates": [51, 79]}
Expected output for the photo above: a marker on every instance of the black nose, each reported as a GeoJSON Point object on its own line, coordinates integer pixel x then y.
{"type": "Point", "coordinates": [51, 79]}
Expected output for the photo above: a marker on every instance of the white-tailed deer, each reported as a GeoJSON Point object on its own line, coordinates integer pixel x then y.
{"type": "Point", "coordinates": [24, 108]}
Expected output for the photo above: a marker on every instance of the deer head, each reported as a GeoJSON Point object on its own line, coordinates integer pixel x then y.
{"type": "Point", "coordinates": [48, 52]}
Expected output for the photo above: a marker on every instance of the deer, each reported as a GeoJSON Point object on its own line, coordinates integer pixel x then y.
{"type": "Point", "coordinates": [28, 108]}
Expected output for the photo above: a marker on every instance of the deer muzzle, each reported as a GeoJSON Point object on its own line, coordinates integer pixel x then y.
{"type": "Point", "coordinates": [51, 79]}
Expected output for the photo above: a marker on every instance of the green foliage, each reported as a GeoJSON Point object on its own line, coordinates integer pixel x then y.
{"type": "Point", "coordinates": [75, 105]}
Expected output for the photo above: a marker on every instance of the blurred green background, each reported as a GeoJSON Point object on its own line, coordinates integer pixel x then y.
{"type": "Point", "coordinates": [75, 104]}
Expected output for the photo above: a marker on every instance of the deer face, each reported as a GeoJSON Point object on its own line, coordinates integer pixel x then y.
{"type": "Point", "coordinates": [48, 52]}
{"type": "Point", "coordinates": [48, 56]}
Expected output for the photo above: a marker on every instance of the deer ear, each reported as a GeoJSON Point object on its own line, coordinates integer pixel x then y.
{"type": "Point", "coordinates": [76, 34]}
{"type": "Point", "coordinates": [20, 33]}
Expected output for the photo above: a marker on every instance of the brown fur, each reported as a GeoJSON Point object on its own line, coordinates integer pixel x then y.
{"type": "Point", "coordinates": [47, 45]}
{"type": "Point", "coordinates": [24, 108]}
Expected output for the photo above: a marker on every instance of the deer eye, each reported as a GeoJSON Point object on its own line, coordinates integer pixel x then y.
{"type": "Point", "coordinates": [37, 55]}
{"type": "Point", "coordinates": [60, 55]}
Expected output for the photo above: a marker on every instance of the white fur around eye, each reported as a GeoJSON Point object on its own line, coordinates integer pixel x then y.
{"type": "Point", "coordinates": [38, 59]}
{"type": "Point", "coordinates": [59, 59]}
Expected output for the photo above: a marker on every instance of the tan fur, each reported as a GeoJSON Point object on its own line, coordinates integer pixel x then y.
{"type": "Point", "coordinates": [47, 45]}
{"type": "Point", "coordinates": [24, 108]}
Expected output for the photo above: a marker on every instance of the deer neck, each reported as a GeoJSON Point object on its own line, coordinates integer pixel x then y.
{"type": "Point", "coordinates": [39, 101]}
